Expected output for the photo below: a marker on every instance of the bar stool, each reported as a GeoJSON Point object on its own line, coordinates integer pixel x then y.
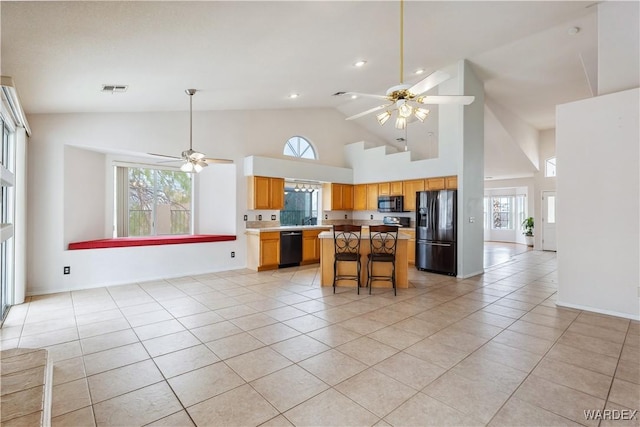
{"type": "Point", "coordinates": [346, 241]}
{"type": "Point", "coordinates": [383, 241]}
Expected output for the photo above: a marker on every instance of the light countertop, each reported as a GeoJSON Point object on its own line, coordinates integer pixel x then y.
{"type": "Point", "coordinates": [287, 228]}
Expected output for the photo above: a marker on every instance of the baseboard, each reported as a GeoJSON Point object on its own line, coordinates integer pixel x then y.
{"type": "Point", "coordinates": [598, 310]}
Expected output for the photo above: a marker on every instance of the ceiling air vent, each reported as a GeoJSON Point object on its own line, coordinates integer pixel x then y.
{"type": "Point", "coordinates": [114, 88]}
{"type": "Point", "coordinates": [339, 93]}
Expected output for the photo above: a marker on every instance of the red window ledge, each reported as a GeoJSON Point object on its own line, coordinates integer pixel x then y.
{"type": "Point", "coordinates": [122, 242]}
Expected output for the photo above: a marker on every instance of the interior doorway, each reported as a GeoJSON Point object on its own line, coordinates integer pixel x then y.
{"type": "Point", "coordinates": [549, 203]}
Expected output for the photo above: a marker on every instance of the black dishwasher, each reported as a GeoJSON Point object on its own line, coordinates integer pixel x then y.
{"type": "Point", "coordinates": [290, 248]}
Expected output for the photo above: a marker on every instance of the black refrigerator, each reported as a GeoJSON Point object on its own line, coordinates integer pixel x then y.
{"type": "Point", "coordinates": [436, 231]}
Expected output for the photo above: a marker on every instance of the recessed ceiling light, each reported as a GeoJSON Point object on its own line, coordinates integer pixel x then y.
{"type": "Point", "coordinates": [360, 63]}
{"type": "Point", "coordinates": [294, 95]}
{"type": "Point", "coordinates": [573, 31]}
{"type": "Point", "coordinates": [419, 71]}
{"type": "Point", "coordinates": [354, 96]}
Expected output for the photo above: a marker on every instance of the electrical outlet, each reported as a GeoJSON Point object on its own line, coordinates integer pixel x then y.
{"type": "Point", "coordinates": [246, 217]}
{"type": "Point", "coordinates": [371, 216]}
{"type": "Point", "coordinates": [273, 217]}
{"type": "Point", "coordinates": [346, 216]}
{"type": "Point", "coordinates": [259, 217]}
{"type": "Point", "coordinates": [233, 254]}
{"type": "Point", "coordinates": [67, 269]}
{"type": "Point", "coordinates": [326, 216]}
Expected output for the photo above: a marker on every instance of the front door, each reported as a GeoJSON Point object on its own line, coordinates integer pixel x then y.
{"type": "Point", "coordinates": [549, 202]}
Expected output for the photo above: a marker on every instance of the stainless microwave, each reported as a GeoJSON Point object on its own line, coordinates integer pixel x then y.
{"type": "Point", "coordinates": [390, 204]}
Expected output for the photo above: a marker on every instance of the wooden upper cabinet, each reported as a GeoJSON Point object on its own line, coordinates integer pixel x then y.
{"type": "Point", "coordinates": [337, 197]}
{"type": "Point", "coordinates": [372, 197]}
{"type": "Point", "coordinates": [360, 197]}
{"type": "Point", "coordinates": [266, 193]}
{"type": "Point", "coordinates": [384, 189]}
{"type": "Point", "coordinates": [276, 193]}
{"type": "Point", "coordinates": [410, 188]}
{"type": "Point", "coordinates": [451, 182]}
{"type": "Point", "coordinates": [435, 183]}
{"type": "Point", "coordinates": [395, 188]}
{"type": "Point", "coordinates": [261, 192]}
{"type": "Point", "coordinates": [347, 197]}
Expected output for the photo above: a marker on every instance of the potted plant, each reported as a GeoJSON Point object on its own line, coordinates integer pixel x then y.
{"type": "Point", "coordinates": [527, 226]}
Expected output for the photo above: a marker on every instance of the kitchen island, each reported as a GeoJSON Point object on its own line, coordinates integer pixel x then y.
{"type": "Point", "coordinates": [327, 253]}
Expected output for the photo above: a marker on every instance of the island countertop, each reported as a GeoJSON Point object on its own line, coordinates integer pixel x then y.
{"type": "Point", "coordinates": [286, 228]}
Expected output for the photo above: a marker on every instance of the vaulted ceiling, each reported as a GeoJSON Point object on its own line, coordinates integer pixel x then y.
{"type": "Point", "coordinates": [252, 55]}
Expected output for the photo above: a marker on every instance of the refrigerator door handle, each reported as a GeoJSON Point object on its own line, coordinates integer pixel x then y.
{"type": "Point", "coordinates": [440, 244]}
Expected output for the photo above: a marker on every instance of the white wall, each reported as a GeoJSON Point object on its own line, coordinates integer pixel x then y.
{"type": "Point", "coordinates": [83, 195]}
{"type": "Point", "coordinates": [471, 176]}
{"type": "Point", "coordinates": [226, 134]}
{"type": "Point", "coordinates": [598, 185]}
{"type": "Point", "coordinates": [618, 46]}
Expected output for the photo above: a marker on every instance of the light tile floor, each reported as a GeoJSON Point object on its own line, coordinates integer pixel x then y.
{"type": "Point", "coordinates": [240, 348]}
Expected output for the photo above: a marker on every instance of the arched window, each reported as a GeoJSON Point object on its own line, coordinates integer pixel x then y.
{"type": "Point", "coordinates": [298, 146]}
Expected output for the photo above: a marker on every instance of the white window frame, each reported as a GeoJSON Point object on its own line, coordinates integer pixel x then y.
{"type": "Point", "coordinates": [551, 161]}
{"type": "Point", "coordinates": [121, 196]}
{"type": "Point", "coordinates": [7, 210]}
{"type": "Point", "coordinates": [296, 151]}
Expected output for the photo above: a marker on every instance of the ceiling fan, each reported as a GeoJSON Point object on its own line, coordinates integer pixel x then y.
{"type": "Point", "coordinates": [194, 161]}
{"type": "Point", "coordinates": [408, 100]}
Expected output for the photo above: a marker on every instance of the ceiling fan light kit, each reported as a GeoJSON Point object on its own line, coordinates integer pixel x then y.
{"type": "Point", "coordinates": [406, 100]}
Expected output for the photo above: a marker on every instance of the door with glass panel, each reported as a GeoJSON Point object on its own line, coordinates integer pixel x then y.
{"type": "Point", "coordinates": [549, 202]}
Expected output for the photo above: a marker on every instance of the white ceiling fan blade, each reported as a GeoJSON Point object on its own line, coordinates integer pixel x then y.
{"type": "Point", "coordinates": [429, 82]}
{"type": "Point", "coordinates": [446, 99]}
{"type": "Point", "coordinates": [368, 95]}
{"type": "Point", "coordinates": [164, 155]}
{"type": "Point", "coordinates": [372, 110]}
{"type": "Point", "coordinates": [218, 161]}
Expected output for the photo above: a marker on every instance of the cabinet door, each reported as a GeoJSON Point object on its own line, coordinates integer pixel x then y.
{"type": "Point", "coordinates": [360, 197]}
{"type": "Point", "coordinates": [336, 197]}
{"type": "Point", "coordinates": [410, 189]}
{"type": "Point", "coordinates": [411, 246]}
{"type": "Point", "coordinates": [276, 190]}
{"type": "Point", "coordinates": [384, 189]}
{"type": "Point", "coordinates": [435, 183]}
{"type": "Point", "coordinates": [347, 197]}
{"type": "Point", "coordinates": [269, 249]}
{"type": "Point", "coordinates": [372, 197]}
{"type": "Point", "coordinates": [395, 188]}
{"type": "Point", "coordinates": [309, 250]}
{"type": "Point", "coordinates": [261, 192]}
{"type": "Point", "coordinates": [451, 182]}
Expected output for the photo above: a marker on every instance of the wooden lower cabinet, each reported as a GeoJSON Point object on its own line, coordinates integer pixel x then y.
{"type": "Point", "coordinates": [269, 250]}
{"type": "Point", "coordinates": [411, 245]}
{"type": "Point", "coordinates": [311, 246]}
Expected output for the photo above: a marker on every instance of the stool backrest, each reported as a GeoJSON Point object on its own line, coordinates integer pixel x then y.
{"type": "Point", "coordinates": [383, 239]}
{"type": "Point", "coordinates": [346, 238]}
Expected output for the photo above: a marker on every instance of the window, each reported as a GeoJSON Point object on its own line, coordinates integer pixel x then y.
{"type": "Point", "coordinates": [300, 205]}
{"type": "Point", "coordinates": [502, 212]}
{"type": "Point", "coordinates": [152, 202]}
{"type": "Point", "coordinates": [550, 167]}
{"type": "Point", "coordinates": [298, 146]}
{"type": "Point", "coordinates": [7, 197]}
